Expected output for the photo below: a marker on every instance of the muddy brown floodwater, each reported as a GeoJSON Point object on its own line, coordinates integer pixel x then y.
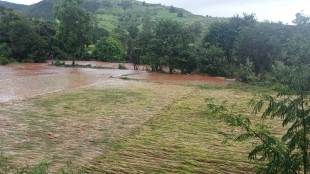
{"type": "Point", "coordinates": [20, 81]}
{"type": "Point", "coordinates": [180, 78]}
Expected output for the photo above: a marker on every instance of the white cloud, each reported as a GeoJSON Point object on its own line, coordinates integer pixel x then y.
{"type": "Point", "coordinates": [27, 2]}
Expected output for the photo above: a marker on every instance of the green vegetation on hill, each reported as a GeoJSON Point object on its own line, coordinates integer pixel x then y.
{"type": "Point", "coordinates": [17, 7]}
{"type": "Point", "coordinates": [111, 13]}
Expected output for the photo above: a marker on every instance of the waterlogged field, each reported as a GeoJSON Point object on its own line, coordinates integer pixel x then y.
{"type": "Point", "coordinates": [133, 124]}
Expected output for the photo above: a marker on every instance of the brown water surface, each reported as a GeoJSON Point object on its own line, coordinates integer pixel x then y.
{"type": "Point", "coordinates": [180, 78]}
{"type": "Point", "coordinates": [108, 65]}
{"type": "Point", "coordinates": [20, 81]}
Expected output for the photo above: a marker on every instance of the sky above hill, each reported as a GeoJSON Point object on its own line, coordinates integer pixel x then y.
{"type": "Point", "coordinates": [273, 10]}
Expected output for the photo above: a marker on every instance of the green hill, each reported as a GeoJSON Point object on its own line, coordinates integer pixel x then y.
{"type": "Point", "coordinates": [17, 7]}
{"type": "Point", "coordinates": [113, 13]}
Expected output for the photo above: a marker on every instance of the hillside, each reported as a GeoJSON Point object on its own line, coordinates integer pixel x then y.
{"type": "Point", "coordinates": [112, 13]}
{"type": "Point", "coordinates": [17, 7]}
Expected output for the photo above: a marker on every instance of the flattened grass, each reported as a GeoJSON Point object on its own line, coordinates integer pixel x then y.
{"type": "Point", "coordinates": [181, 139]}
{"type": "Point", "coordinates": [140, 128]}
{"type": "Point", "coordinates": [80, 125]}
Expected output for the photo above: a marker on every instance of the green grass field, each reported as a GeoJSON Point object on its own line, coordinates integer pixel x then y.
{"type": "Point", "coordinates": [138, 127]}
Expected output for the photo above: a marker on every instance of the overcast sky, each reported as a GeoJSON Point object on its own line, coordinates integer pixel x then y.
{"type": "Point", "coordinates": [274, 10]}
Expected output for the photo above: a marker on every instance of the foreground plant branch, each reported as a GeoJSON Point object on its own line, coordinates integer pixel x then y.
{"type": "Point", "coordinates": [290, 153]}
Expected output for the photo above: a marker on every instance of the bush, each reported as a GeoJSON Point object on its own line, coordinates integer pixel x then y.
{"type": "Point", "coordinates": [57, 62]}
{"type": "Point", "coordinates": [245, 73]}
{"type": "Point", "coordinates": [4, 60]}
{"type": "Point", "coordinates": [109, 49]}
{"type": "Point", "coordinates": [59, 54]}
{"type": "Point", "coordinates": [213, 62]}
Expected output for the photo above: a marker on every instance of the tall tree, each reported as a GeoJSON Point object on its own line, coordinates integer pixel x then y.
{"type": "Point", "coordinates": [172, 44]}
{"type": "Point", "coordinates": [298, 42]}
{"type": "Point", "coordinates": [224, 34]}
{"type": "Point", "coordinates": [73, 27]}
{"type": "Point", "coordinates": [21, 37]}
{"type": "Point", "coordinates": [260, 44]}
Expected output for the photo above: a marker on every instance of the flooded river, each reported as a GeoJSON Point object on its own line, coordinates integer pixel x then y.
{"type": "Point", "coordinates": [20, 81]}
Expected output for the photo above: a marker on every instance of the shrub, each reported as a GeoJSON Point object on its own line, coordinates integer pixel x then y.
{"type": "Point", "coordinates": [4, 60]}
{"type": "Point", "coordinates": [213, 62]}
{"type": "Point", "coordinates": [109, 49]}
{"type": "Point", "coordinates": [245, 73]}
{"type": "Point", "coordinates": [59, 54]}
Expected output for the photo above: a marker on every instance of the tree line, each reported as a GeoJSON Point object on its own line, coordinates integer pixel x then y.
{"type": "Point", "coordinates": [240, 47]}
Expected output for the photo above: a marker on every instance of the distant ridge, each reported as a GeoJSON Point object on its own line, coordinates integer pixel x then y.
{"type": "Point", "coordinates": [110, 13]}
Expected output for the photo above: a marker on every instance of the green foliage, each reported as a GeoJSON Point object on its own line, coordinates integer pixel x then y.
{"type": "Point", "coordinates": [245, 73]}
{"type": "Point", "coordinates": [20, 37]}
{"type": "Point", "coordinates": [224, 34]}
{"type": "Point", "coordinates": [260, 44]}
{"type": "Point", "coordinates": [5, 49]}
{"type": "Point", "coordinates": [4, 60]}
{"type": "Point", "coordinates": [296, 48]}
{"type": "Point", "coordinates": [267, 147]}
{"type": "Point", "coordinates": [212, 61]}
{"type": "Point", "coordinates": [217, 58]}
{"type": "Point", "coordinates": [109, 49]}
{"type": "Point", "coordinates": [167, 36]}
{"type": "Point", "coordinates": [73, 25]}
{"type": "Point", "coordinates": [276, 73]}
{"type": "Point", "coordinates": [172, 45]}
{"type": "Point", "coordinates": [290, 154]}
{"type": "Point", "coordinates": [291, 105]}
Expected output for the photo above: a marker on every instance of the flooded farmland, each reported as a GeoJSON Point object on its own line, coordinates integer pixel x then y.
{"type": "Point", "coordinates": [20, 81]}
{"type": "Point", "coordinates": [97, 117]}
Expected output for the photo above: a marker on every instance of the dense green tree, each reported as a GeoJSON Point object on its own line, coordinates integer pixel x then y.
{"type": "Point", "coordinates": [21, 38]}
{"type": "Point", "coordinates": [224, 34]}
{"type": "Point", "coordinates": [171, 44]}
{"type": "Point", "coordinates": [212, 61]}
{"type": "Point", "coordinates": [144, 41]}
{"type": "Point", "coordinates": [165, 44]}
{"type": "Point", "coordinates": [109, 49]}
{"type": "Point", "coordinates": [133, 48]}
{"type": "Point", "coordinates": [73, 27]}
{"type": "Point", "coordinates": [187, 50]}
{"type": "Point", "coordinates": [259, 44]}
{"type": "Point", "coordinates": [298, 41]}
